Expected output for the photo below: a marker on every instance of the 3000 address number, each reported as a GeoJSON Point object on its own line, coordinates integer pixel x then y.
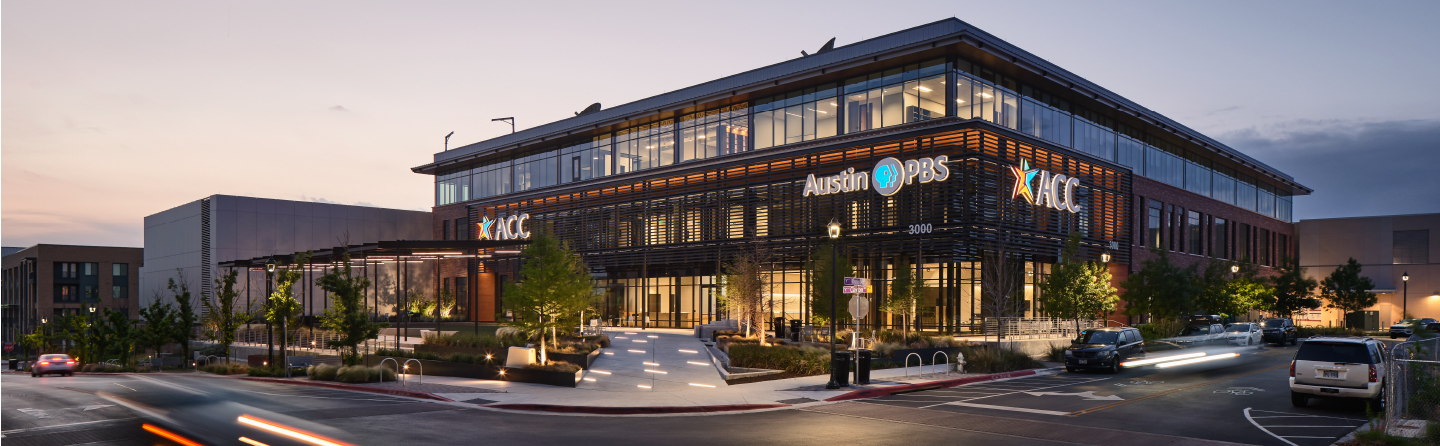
{"type": "Point", "coordinates": [923, 228]}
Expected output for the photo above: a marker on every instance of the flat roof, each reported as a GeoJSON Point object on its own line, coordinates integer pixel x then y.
{"type": "Point", "coordinates": [944, 32]}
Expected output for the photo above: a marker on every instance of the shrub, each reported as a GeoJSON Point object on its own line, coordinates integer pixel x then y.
{"type": "Point", "coordinates": [101, 367]}
{"type": "Point", "coordinates": [266, 371]}
{"type": "Point", "coordinates": [360, 374]}
{"type": "Point", "coordinates": [226, 369]}
{"type": "Point", "coordinates": [979, 359]}
{"type": "Point", "coordinates": [1305, 332]}
{"type": "Point", "coordinates": [554, 366]}
{"type": "Point", "coordinates": [1056, 353]}
{"type": "Point", "coordinates": [511, 334]}
{"type": "Point", "coordinates": [496, 356]}
{"type": "Point", "coordinates": [802, 360]}
{"type": "Point", "coordinates": [471, 340]}
{"type": "Point", "coordinates": [323, 372]}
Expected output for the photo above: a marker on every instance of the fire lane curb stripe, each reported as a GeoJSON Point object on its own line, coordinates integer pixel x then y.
{"type": "Point", "coordinates": [1167, 392]}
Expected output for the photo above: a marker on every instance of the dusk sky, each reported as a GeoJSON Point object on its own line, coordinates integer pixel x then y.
{"type": "Point", "coordinates": [111, 111]}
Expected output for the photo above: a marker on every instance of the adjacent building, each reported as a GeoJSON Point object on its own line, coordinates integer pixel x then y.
{"type": "Point", "coordinates": [1389, 249]}
{"type": "Point", "coordinates": [187, 242]}
{"type": "Point", "coordinates": [940, 146]}
{"type": "Point", "coordinates": [45, 281]}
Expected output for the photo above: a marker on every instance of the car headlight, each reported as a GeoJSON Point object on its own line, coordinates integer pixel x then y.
{"type": "Point", "coordinates": [1069, 353]}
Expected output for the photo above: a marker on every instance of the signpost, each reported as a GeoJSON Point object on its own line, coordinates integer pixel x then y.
{"type": "Point", "coordinates": [859, 308]}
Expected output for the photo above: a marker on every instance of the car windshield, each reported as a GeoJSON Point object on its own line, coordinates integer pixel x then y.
{"type": "Point", "coordinates": [1350, 352]}
{"type": "Point", "coordinates": [1098, 337]}
{"type": "Point", "coordinates": [1195, 330]}
{"type": "Point", "coordinates": [1238, 328]}
{"type": "Point", "coordinates": [1274, 323]}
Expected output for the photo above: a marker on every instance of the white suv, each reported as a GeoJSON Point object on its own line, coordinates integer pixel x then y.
{"type": "Point", "coordinates": [1338, 367]}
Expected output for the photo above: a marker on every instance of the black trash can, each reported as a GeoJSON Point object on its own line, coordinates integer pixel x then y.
{"type": "Point", "coordinates": [862, 366]}
{"type": "Point", "coordinates": [14, 364]}
{"type": "Point", "coordinates": [779, 326]}
{"type": "Point", "coordinates": [840, 368]}
{"type": "Point", "coordinates": [795, 330]}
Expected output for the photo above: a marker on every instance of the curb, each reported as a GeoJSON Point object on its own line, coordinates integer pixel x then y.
{"type": "Point", "coordinates": [393, 392]}
{"type": "Point", "coordinates": [599, 410]}
{"type": "Point", "coordinates": [887, 391]}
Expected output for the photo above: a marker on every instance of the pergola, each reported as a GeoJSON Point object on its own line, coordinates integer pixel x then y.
{"type": "Point", "coordinates": [370, 258]}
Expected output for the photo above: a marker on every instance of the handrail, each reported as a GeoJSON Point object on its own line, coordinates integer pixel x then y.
{"type": "Point", "coordinates": [382, 368]}
{"type": "Point", "coordinates": [919, 362]}
{"type": "Point", "coordinates": [934, 364]}
{"type": "Point", "coordinates": [422, 370]}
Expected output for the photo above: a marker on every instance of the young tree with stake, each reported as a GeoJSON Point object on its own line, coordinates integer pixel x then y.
{"type": "Point", "coordinates": [554, 282]}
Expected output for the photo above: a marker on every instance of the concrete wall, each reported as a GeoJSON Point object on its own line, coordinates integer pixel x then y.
{"type": "Point", "coordinates": [248, 227]}
{"type": "Point", "coordinates": [1328, 243]}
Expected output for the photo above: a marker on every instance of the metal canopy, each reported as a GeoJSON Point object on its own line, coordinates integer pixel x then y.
{"type": "Point", "coordinates": [395, 250]}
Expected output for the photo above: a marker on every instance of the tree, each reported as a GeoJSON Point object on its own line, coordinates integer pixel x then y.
{"type": "Point", "coordinates": [1161, 289]}
{"type": "Point", "coordinates": [159, 325]}
{"type": "Point", "coordinates": [823, 280]}
{"type": "Point", "coordinates": [1000, 280]}
{"type": "Point", "coordinates": [184, 327]}
{"type": "Point", "coordinates": [1077, 288]}
{"type": "Point", "coordinates": [223, 315]}
{"type": "Point", "coordinates": [1347, 290]}
{"type": "Point", "coordinates": [282, 308]}
{"type": "Point", "coordinates": [1293, 291]}
{"type": "Point", "coordinates": [906, 289]}
{"type": "Point", "coordinates": [1228, 293]}
{"type": "Point", "coordinates": [744, 286]}
{"type": "Point", "coordinates": [348, 314]}
{"type": "Point", "coordinates": [118, 328]}
{"type": "Point", "coordinates": [554, 282]}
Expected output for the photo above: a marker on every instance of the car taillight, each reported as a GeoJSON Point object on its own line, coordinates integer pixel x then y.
{"type": "Point", "coordinates": [44, 362]}
{"type": "Point", "coordinates": [69, 362]}
{"type": "Point", "coordinates": [1292, 369]}
{"type": "Point", "coordinates": [1374, 378]}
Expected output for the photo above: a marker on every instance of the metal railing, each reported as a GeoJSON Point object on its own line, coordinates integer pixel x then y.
{"type": "Point", "coordinates": [1412, 386]}
{"type": "Point", "coordinates": [1018, 328]}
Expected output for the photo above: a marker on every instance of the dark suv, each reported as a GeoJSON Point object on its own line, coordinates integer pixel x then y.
{"type": "Point", "coordinates": [1104, 348]}
{"type": "Point", "coordinates": [1278, 331]}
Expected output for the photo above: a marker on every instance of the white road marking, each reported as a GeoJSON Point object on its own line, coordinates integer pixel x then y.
{"type": "Point", "coordinates": [1283, 437]}
{"type": "Point", "coordinates": [1018, 391]}
{"type": "Point", "coordinates": [1263, 429]}
{"type": "Point", "coordinates": [1088, 395]}
{"type": "Point", "coordinates": [1015, 409]}
{"type": "Point", "coordinates": [57, 426]}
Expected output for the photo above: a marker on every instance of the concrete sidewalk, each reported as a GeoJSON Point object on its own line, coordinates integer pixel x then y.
{"type": "Point", "coordinates": [670, 369]}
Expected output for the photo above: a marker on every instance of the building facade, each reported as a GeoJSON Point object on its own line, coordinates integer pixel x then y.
{"type": "Point", "coordinates": [189, 241]}
{"type": "Point", "coordinates": [1388, 248]}
{"type": "Point", "coordinates": [939, 146]}
{"type": "Point", "coordinates": [45, 281]}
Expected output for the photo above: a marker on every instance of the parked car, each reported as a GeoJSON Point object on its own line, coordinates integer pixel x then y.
{"type": "Point", "coordinates": [1104, 348]}
{"type": "Point", "coordinates": [1338, 367]}
{"type": "Point", "coordinates": [1243, 333]}
{"type": "Point", "coordinates": [1403, 329]}
{"type": "Point", "coordinates": [1200, 333]}
{"type": "Point", "coordinates": [1280, 330]}
{"type": "Point", "coordinates": [59, 364]}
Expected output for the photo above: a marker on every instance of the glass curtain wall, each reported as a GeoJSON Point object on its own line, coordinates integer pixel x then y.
{"type": "Point", "coordinates": [645, 147]}
{"type": "Point", "coordinates": [587, 160]}
{"type": "Point", "coordinates": [718, 132]}
{"type": "Point", "coordinates": [898, 96]}
{"type": "Point", "coordinates": [537, 171]}
{"type": "Point", "coordinates": [452, 187]}
{"type": "Point", "coordinates": [798, 116]}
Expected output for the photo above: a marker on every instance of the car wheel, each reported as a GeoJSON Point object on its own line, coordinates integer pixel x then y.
{"type": "Point", "coordinates": [1392, 336]}
{"type": "Point", "coordinates": [1070, 369]}
{"type": "Point", "coordinates": [1114, 366]}
{"type": "Point", "coordinates": [1299, 399]}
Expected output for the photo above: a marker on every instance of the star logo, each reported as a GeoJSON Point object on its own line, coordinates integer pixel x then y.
{"type": "Point", "coordinates": [1024, 175]}
{"type": "Point", "coordinates": [485, 224]}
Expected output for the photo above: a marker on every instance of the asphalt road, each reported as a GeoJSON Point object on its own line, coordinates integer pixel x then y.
{"type": "Point", "coordinates": [1243, 400]}
{"type": "Point", "coordinates": [1239, 400]}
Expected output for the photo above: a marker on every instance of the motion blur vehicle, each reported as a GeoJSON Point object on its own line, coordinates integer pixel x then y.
{"type": "Point", "coordinates": [1338, 367]}
{"type": "Point", "coordinates": [1405, 328]}
{"type": "Point", "coordinates": [1243, 333]}
{"type": "Point", "coordinates": [1202, 330]}
{"type": "Point", "coordinates": [1280, 330]}
{"type": "Point", "coordinates": [1104, 348]}
{"type": "Point", "coordinates": [56, 364]}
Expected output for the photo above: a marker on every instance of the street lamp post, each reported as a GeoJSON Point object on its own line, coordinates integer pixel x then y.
{"type": "Point", "coordinates": [1405, 298]}
{"type": "Point", "coordinates": [269, 333]}
{"type": "Point", "coordinates": [833, 231]}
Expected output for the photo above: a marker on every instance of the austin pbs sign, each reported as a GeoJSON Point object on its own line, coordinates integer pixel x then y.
{"type": "Point", "coordinates": [888, 176]}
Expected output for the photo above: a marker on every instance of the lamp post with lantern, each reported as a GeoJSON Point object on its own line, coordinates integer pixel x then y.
{"type": "Point", "coordinates": [269, 333]}
{"type": "Point", "coordinates": [1405, 297]}
{"type": "Point", "coordinates": [838, 365]}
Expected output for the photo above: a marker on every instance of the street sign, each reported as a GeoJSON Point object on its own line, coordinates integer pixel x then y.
{"type": "Point", "coordinates": [859, 307]}
{"type": "Point", "coordinates": [856, 281]}
{"type": "Point", "coordinates": [9, 346]}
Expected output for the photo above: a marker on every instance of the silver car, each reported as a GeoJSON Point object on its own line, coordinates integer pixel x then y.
{"type": "Point", "coordinates": [58, 364]}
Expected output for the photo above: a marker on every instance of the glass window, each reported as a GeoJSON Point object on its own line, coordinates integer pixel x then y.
{"type": "Point", "coordinates": [1245, 193]}
{"type": "Point", "coordinates": [119, 269]}
{"type": "Point", "coordinates": [91, 269]}
{"type": "Point", "coordinates": [1152, 229]}
{"type": "Point", "coordinates": [1193, 233]}
{"type": "Point", "coordinates": [1218, 239]}
{"type": "Point", "coordinates": [1131, 153]}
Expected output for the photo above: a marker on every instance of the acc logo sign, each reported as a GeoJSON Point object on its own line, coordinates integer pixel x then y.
{"type": "Point", "coordinates": [504, 228]}
{"type": "Point", "coordinates": [1055, 191]}
{"type": "Point", "coordinates": [888, 176]}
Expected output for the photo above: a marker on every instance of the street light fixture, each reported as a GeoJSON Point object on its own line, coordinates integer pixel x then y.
{"type": "Point", "coordinates": [510, 120]}
{"type": "Point", "coordinates": [1234, 268]}
{"type": "Point", "coordinates": [1405, 298]}
{"type": "Point", "coordinates": [1105, 257]}
{"type": "Point", "coordinates": [833, 231]}
{"type": "Point", "coordinates": [269, 332]}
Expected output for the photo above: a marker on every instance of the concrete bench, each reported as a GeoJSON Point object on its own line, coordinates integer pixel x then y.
{"type": "Point", "coordinates": [299, 361]}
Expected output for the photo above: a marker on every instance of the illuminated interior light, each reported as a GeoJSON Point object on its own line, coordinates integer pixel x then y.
{"type": "Point", "coordinates": [985, 95]}
{"type": "Point", "coordinates": [1196, 360]}
{"type": "Point", "coordinates": [924, 89]}
{"type": "Point", "coordinates": [687, 351]}
{"type": "Point", "coordinates": [168, 435]}
{"type": "Point", "coordinates": [437, 253]}
{"type": "Point", "coordinates": [960, 101]}
{"type": "Point", "coordinates": [1164, 359]}
{"type": "Point", "coordinates": [642, 386]}
{"type": "Point", "coordinates": [702, 385]}
{"type": "Point", "coordinates": [252, 442]}
{"type": "Point", "coordinates": [289, 432]}
{"type": "Point", "coordinates": [657, 371]}
{"type": "Point", "coordinates": [651, 363]}
{"type": "Point", "coordinates": [697, 363]}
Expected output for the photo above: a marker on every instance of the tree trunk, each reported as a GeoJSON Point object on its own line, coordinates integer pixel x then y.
{"type": "Point", "coordinates": [543, 359]}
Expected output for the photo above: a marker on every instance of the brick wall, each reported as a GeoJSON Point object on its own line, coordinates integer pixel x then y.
{"type": "Point", "coordinates": [1177, 202]}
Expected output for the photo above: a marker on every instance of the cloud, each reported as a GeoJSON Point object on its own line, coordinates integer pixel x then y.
{"type": "Point", "coordinates": [339, 109]}
{"type": "Point", "coordinates": [364, 203]}
{"type": "Point", "coordinates": [317, 200]}
{"type": "Point", "coordinates": [1223, 110]}
{"type": "Point", "coordinates": [1356, 168]}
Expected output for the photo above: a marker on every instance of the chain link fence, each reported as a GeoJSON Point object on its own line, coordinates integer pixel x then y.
{"type": "Point", "coordinates": [1412, 389]}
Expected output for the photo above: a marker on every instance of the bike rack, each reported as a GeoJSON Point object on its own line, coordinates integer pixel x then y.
{"type": "Point", "coordinates": [382, 368]}
{"type": "Point", "coordinates": [934, 364]}
{"type": "Point", "coordinates": [420, 366]}
{"type": "Point", "coordinates": [918, 363]}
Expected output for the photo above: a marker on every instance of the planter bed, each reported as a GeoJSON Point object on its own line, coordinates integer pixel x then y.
{"type": "Point", "coordinates": [447, 350]}
{"type": "Point", "coordinates": [533, 376]}
{"type": "Point", "coordinates": [486, 371]}
{"type": "Point", "coordinates": [582, 360]}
